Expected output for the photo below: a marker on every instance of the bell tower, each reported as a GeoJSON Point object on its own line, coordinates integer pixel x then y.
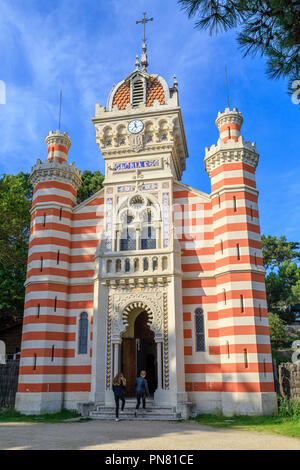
{"type": "Point", "coordinates": [141, 136]}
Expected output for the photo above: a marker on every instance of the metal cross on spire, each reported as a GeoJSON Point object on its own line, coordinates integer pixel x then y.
{"type": "Point", "coordinates": [144, 21]}
{"type": "Point", "coordinates": [144, 60]}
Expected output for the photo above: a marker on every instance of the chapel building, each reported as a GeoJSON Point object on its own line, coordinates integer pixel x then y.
{"type": "Point", "coordinates": [148, 273]}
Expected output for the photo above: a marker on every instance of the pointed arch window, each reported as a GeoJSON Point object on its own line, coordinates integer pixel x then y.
{"type": "Point", "coordinates": [83, 333]}
{"type": "Point", "coordinates": [199, 330]}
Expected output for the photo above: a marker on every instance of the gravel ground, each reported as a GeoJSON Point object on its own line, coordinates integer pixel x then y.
{"type": "Point", "coordinates": [130, 435]}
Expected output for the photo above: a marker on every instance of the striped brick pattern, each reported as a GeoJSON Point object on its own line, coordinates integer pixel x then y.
{"type": "Point", "coordinates": [59, 287]}
{"type": "Point", "coordinates": [243, 333]}
{"type": "Point", "coordinates": [229, 124]}
{"type": "Point", "coordinates": [47, 328]}
{"type": "Point", "coordinates": [230, 131]}
{"type": "Point", "coordinates": [58, 146]}
{"type": "Point", "coordinates": [223, 274]}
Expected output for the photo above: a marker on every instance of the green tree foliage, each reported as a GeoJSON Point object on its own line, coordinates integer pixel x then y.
{"type": "Point", "coordinates": [15, 204]}
{"type": "Point", "coordinates": [277, 250]}
{"type": "Point", "coordinates": [278, 330]}
{"type": "Point", "coordinates": [91, 183]}
{"type": "Point", "coordinates": [281, 261]}
{"type": "Point", "coordinates": [268, 27]}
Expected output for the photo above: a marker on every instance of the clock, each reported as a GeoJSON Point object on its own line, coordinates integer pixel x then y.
{"type": "Point", "coordinates": [135, 126]}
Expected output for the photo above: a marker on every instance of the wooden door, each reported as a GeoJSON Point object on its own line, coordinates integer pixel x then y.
{"type": "Point", "coordinates": [129, 364]}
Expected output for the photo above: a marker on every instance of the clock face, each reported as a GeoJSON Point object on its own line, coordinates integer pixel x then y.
{"type": "Point", "coordinates": [135, 126]}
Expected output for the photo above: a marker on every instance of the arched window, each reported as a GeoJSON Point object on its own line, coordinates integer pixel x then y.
{"type": "Point", "coordinates": [127, 265]}
{"type": "Point", "coordinates": [83, 333]}
{"type": "Point", "coordinates": [118, 265]}
{"type": "Point", "coordinates": [199, 329]}
{"type": "Point", "coordinates": [164, 263]}
{"type": "Point", "coordinates": [138, 227]}
{"type": "Point", "coordinates": [145, 264]}
{"type": "Point", "coordinates": [108, 265]}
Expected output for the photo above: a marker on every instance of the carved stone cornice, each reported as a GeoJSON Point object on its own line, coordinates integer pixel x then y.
{"type": "Point", "coordinates": [133, 284]}
{"type": "Point", "coordinates": [230, 151]}
{"type": "Point", "coordinates": [55, 170]}
{"type": "Point", "coordinates": [229, 116]}
{"type": "Point", "coordinates": [58, 139]}
{"type": "Point", "coordinates": [127, 150]}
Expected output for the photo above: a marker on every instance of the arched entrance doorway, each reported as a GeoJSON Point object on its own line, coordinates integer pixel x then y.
{"type": "Point", "coordinates": [138, 352]}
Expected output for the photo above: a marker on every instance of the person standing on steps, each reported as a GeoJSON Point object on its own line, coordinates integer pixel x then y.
{"type": "Point", "coordinates": [142, 390]}
{"type": "Point", "coordinates": [119, 384]}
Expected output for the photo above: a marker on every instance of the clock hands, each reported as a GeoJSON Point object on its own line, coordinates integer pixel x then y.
{"type": "Point", "coordinates": [135, 126]}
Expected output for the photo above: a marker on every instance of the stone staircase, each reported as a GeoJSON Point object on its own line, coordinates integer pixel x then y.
{"type": "Point", "coordinates": [151, 413]}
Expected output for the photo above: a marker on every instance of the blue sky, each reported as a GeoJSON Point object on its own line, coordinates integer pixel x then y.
{"type": "Point", "coordinates": [84, 46]}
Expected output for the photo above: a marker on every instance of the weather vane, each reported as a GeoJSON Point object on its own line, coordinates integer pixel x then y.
{"type": "Point", "coordinates": [144, 21]}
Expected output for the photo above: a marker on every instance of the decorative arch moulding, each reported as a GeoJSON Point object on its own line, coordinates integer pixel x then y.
{"type": "Point", "coordinates": [124, 304]}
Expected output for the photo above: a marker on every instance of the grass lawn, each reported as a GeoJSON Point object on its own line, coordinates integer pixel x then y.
{"type": "Point", "coordinates": [273, 424]}
{"type": "Point", "coordinates": [11, 414]}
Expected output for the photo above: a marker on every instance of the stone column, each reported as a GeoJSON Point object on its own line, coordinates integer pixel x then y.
{"type": "Point", "coordinates": [157, 230]}
{"type": "Point", "coordinates": [116, 347]}
{"type": "Point", "coordinates": [159, 370]}
{"type": "Point", "coordinates": [138, 239]}
{"type": "Point", "coordinates": [118, 240]}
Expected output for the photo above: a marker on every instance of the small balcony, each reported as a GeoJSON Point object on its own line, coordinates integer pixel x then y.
{"type": "Point", "coordinates": [122, 264]}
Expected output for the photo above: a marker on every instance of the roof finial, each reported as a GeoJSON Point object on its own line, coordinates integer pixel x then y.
{"type": "Point", "coordinates": [137, 62]}
{"type": "Point", "coordinates": [144, 61]}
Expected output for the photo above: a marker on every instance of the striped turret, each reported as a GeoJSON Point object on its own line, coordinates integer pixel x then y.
{"type": "Point", "coordinates": [46, 328]}
{"type": "Point", "coordinates": [58, 146]}
{"type": "Point", "coordinates": [241, 318]}
{"type": "Point", "coordinates": [229, 124]}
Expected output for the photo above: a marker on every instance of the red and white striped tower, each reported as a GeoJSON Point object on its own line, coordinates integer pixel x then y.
{"type": "Point", "coordinates": [229, 124]}
{"type": "Point", "coordinates": [46, 336]}
{"type": "Point", "coordinates": [58, 146]}
{"type": "Point", "coordinates": [242, 319]}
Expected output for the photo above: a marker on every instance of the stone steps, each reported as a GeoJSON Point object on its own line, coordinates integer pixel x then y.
{"type": "Point", "coordinates": [151, 413]}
